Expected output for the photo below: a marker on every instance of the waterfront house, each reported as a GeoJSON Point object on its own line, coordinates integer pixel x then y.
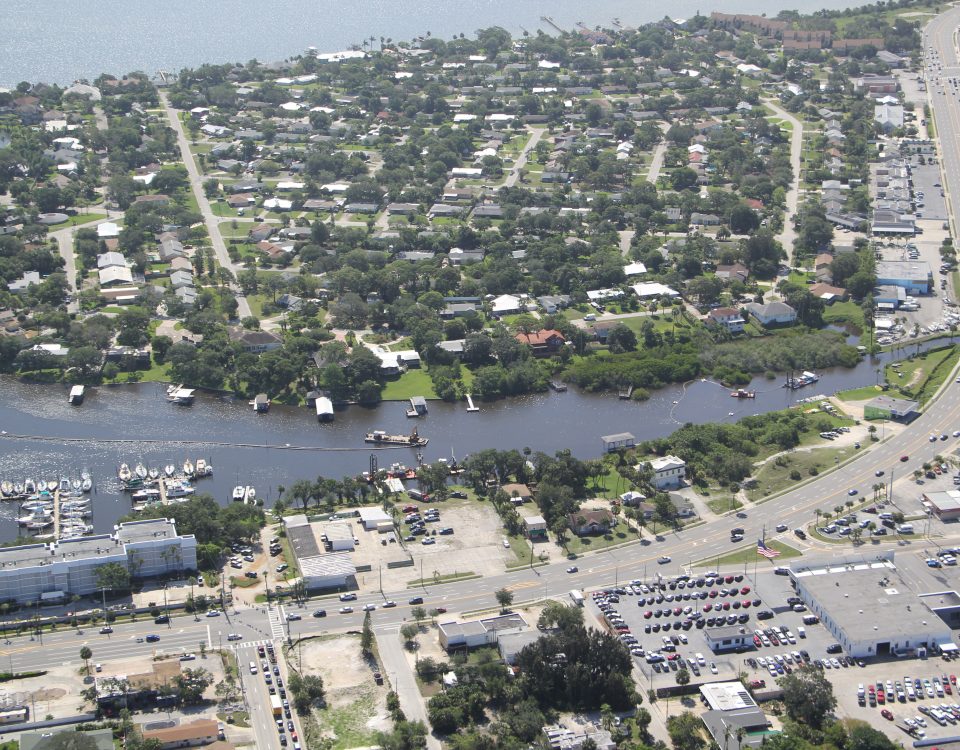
{"type": "Point", "coordinates": [255, 342]}
{"type": "Point", "coordinates": [668, 472]}
{"type": "Point", "coordinates": [617, 441]}
{"type": "Point", "coordinates": [518, 492]}
{"type": "Point", "coordinates": [728, 318]}
{"type": "Point", "coordinates": [542, 343]}
{"type": "Point", "coordinates": [772, 313]}
{"type": "Point", "coordinates": [590, 522]}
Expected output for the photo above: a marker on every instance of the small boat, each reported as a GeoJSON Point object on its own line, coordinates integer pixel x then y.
{"type": "Point", "coordinates": [202, 469]}
{"type": "Point", "coordinates": [239, 492]}
{"type": "Point", "coordinates": [76, 514]}
{"type": "Point", "coordinates": [86, 484]}
{"type": "Point", "coordinates": [76, 395]}
{"type": "Point", "coordinates": [39, 523]}
{"type": "Point", "coordinates": [379, 437]}
{"type": "Point", "coordinates": [76, 485]}
{"type": "Point", "coordinates": [261, 403]}
{"type": "Point", "coordinates": [37, 505]}
{"type": "Point", "coordinates": [18, 488]}
{"type": "Point", "coordinates": [29, 486]}
{"type": "Point", "coordinates": [741, 393]}
{"type": "Point", "coordinates": [250, 496]}
{"type": "Point", "coordinates": [125, 474]}
{"type": "Point", "coordinates": [64, 484]}
{"type": "Point", "coordinates": [53, 484]}
{"type": "Point", "coordinates": [141, 471]}
{"type": "Point", "coordinates": [170, 470]}
{"type": "Point", "coordinates": [153, 473]}
{"type": "Point", "coordinates": [6, 488]}
{"type": "Point", "coordinates": [35, 517]}
{"type": "Point", "coordinates": [188, 467]}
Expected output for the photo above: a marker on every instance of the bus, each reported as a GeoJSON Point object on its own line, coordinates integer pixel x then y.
{"type": "Point", "coordinates": [576, 597]}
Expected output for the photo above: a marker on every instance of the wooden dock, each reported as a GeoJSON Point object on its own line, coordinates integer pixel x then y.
{"type": "Point", "coordinates": [626, 392]}
{"type": "Point", "coordinates": [470, 406]}
{"type": "Point", "coordinates": [56, 513]}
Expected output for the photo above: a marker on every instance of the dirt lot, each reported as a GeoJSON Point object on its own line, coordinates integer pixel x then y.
{"type": "Point", "coordinates": [356, 705]}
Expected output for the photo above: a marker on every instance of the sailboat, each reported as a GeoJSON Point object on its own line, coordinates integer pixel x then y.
{"type": "Point", "coordinates": [239, 492]}
{"type": "Point", "coordinates": [153, 473]}
{"type": "Point", "coordinates": [141, 471]}
{"type": "Point", "coordinates": [124, 473]}
{"type": "Point", "coordinates": [86, 483]}
{"type": "Point", "coordinates": [6, 487]}
{"type": "Point", "coordinates": [169, 470]}
{"type": "Point", "coordinates": [188, 467]}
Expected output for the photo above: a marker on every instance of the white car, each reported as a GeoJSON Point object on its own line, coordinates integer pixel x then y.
{"type": "Point", "coordinates": [369, 607]}
{"type": "Point", "coordinates": [713, 668]}
{"type": "Point", "coordinates": [700, 660]}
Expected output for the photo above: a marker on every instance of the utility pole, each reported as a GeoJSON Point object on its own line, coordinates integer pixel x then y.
{"type": "Point", "coordinates": [166, 608]}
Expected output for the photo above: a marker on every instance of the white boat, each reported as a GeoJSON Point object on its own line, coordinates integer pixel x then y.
{"type": "Point", "coordinates": [76, 395]}
{"type": "Point", "coordinates": [239, 493]}
{"type": "Point", "coordinates": [82, 502]}
{"type": "Point", "coordinates": [76, 514]}
{"type": "Point", "coordinates": [36, 517]}
{"type": "Point", "coordinates": [29, 486]}
{"type": "Point", "coordinates": [6, 487]}
{"type": "Point", "coordinates": [17, 488]}
{"type": "Point", "coordinates": [153, 473]}
{"type": "Point", "coordinates": [124, 473]}
{"type": "Point", "coordinates": [188, 467]}
{"type": "Point", "coordinates": [141, 471]}
{"type": "Point", "coordinates": [64, 484]}
{"type": "Point", "coordinates": [180, 490]}
{"type": "Point", "coordinates": [150, 493]}
{"type": "Point", "coordinates": [202, 469]}
{"type": "Point", "coordinates": [170, 470]}
{"type": "Point", "coordinates": [250, 496]}
{"type": "Point", "coordinates": [86, 484]}
{"type": "Point", "coordinates": [39, 523]}
{"type": "Point", "coordinates": [52, 485]}
{"type": "Point", "coordinates": [179, 395]}
{"type": "Point", "coordinates": [76, 485]}
{"type": "Point", "coordinates": [37, 506]}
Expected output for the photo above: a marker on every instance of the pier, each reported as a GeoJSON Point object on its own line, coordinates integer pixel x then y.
{"type": "Point", "coordinates": [470, 406]}
{"type": "Point", "coordinates": [56, 513]}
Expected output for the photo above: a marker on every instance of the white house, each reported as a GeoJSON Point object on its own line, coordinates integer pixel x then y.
{"type": "Point", "coordinates": [772, 313]}
{"type": "Point", "coordinates": [107, 229]}
{"type": "Point", "coordinates": [506, 304]}
{"type": "Point", "coordinates": [648, 289]}
{"type": "Point", "coordinates": [668, 472]}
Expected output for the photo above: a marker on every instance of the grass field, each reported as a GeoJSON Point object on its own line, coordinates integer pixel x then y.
{"type": "Point", "coordinates": [919, 378]}
{"type": "Point", "coordinates": [749, 555]}
{"type": "Point", "coordinates": [860, 394]}
{"type": "Point", "coordinates": [411, 383]}
{"type": "Point", "coordinates": [775, 475]}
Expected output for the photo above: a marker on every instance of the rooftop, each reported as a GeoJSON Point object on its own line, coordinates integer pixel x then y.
{"type": "Point", "coordinates": [334, 564]}
{"type": "Point", "coordinates": [727, 696]}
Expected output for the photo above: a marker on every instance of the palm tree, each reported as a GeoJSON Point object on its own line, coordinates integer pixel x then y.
{"type": "Point", "coordinates": [86, 654]}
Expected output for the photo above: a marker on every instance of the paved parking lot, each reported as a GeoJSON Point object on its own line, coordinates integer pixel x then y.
{"type": "Point", "coordinates": [926, 181]}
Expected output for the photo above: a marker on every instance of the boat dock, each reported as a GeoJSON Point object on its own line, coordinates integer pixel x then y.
{"type": "Point", "coordinates": [625, 392]}
{"type": "Point", "coordinates": [558, 386]}
{"type": "Point", "coordinates": [470, 406]}
{"type": "Point", "coordinates": [56, 514]}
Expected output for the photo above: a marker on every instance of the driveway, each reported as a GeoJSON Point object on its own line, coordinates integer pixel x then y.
{"type": "Point", "coordinates": [521, 160]}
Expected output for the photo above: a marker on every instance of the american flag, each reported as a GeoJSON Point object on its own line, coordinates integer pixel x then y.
{"type": "Point", "coordinates": [767, 552]}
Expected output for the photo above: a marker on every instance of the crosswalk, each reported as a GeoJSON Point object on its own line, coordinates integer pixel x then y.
{"type": "Point", "coordinates": [250, 644]}
{"type": "Point", "coordinates": [275, 616]}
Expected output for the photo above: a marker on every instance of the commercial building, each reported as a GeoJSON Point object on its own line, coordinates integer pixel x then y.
{"type": "Point", "coordinates": [193, 734]}
{"type": "Point", "coordinates": [913, 275]}
{"type": "Point", "coordinates": [483, 632]}
{"type": "Point", "coordinates": [847, 594]}
{"type": "Point", "coordinates": [728, 638]}
{"type": "Point", "coordinates": [734, 720]}
{"type": "Point", "coordinates": [886, 407]}
{"type": "Point", "coordinates": [319, 570]}
{"type": "Point", "coordinates": [375, 518]}
{"type": "Point", "coordinates": [147, 549]}
{"type": "Point", "coordinates": [339, 537]}
{"type": "Point", "coordinates": [536, 527]}
{"type": "Point", "coordinates": [944, 505]}
{"type": "Point", "coordinates": [560, 737]}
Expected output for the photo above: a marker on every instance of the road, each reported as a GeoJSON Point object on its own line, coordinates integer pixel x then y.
{"type": "Point", "coordinates": [521, 161]}
{"type": "Point", "coordinates": [940, 66]}
{"type": "Point", "coordinates": [209, 218]}
{"type": "Point", "coordinates": [788, 234]}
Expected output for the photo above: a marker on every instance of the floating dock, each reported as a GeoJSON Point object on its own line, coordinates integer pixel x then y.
{"type": "Point", "coordinates": [76, 395]}
{"type": "Point", "coordinates": [625, 393]}
{"type": "Point", "coordinates": [470, 406]}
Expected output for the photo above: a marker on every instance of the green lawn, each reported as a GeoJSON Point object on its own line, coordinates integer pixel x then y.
{"type": "Point", "coordinates": [578, 545]}
{"type": "Point", "coordinates": [844, 313]}
{"type": "Point", "coordinates": [774, 476]}
{"type": "Point", "coordinates": [156, 374]}
{"type": "Point", "coordinates": [80, 219]}
{"type": "Point", "coordinates": [414, 382]}
{"type": "Point", "coordinates": [920, 377]}
{"type": "Point", "coordinates": [860, 394]}
{"type": "Point", "coordinates": [749, 555]}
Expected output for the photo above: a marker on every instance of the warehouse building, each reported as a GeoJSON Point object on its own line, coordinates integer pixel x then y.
{"type": "Point", "coordinates": [896, 409]}
{"type": "Point", "coordinates": [913, 275]}
{"type": "Point", "coordinates": [846, 594]}
{"type": "Point", "coordinates": [320, 569]}
{"type": "Point", "coordinates": [734, 719]}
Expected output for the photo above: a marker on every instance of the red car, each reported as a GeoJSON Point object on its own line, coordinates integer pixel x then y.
{"type": "Point", "coordinates": [713, 594]}
{"type": "Point", "coordinates": [745, 590]}
{"type": "Point", "coordinates": [755, 684]}
{"type": "Point", "coordinates": [728, 579]}
{"type": "Point", "coordinates": [746, 603]}
{"type": "Point", "coordinates": [441, 610]}
{"type": "Point", "coordinates": [904, 458]}
{"type": "Point", "coordinates": [886, 714]}
{"type": "Point", "coordinates": [647, 615]}
{"type": "Point", "coordinates": [707, 607]}
{"type": "Point", "coordinates": [757, 642]}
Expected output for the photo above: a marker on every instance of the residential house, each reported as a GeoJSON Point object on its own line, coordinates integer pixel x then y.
{"type": "Point", "coordinates": [170, 248]}
{"type": "Point", "coordinates": [828, 293]}
{"type": "Point", "coordinates": [822, 267]}
{"type": "Point", "coordinates": [551, 303]}
{"type": "Point", "coordinates": [520, 492]}
{"type": "Point", "coordinates": [772, 313]}
{"type": "Point", "coordinates": [591, 522]}
{"type": "Point", "coordinates": [255, 342]}
{"type": "Point", "coordinates": [542, 343]}
{"type": "Point", "coordinates": [115, 276]}
{"type": "Point", "coordinates": [507, 304]}
{"type": "Point", "coordinates": [728, 318]}
{"type": "Point", "coordinates": [112, 258]}
{"type": "Point", "coordinates": [734, 271]}
{"type": "Point", "coordinates": [260, 232]}
{"type": "Point", "coordinates": [191, 734]}
{"type": "Point", "coordinates": [180, 279]}
{"type": "Point", "coordinates": [28, 279]}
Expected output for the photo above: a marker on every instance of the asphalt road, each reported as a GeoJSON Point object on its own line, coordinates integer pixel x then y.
{"type": "Point", "coordinates": [941, 65]}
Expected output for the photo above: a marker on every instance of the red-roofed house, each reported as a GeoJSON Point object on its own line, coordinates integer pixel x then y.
{"type": "Point", "coordinates": [543, 343]}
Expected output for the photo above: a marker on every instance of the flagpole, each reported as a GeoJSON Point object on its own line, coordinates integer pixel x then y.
{"type": "Point", "coordinates": [763, 540]}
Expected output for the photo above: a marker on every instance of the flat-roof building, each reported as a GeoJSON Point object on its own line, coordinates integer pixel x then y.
{"type": "Point", "coordinates": [734, 720]}
{"type": "Point", "coordinates": [146, 548]}
{"type": "Point", "coordinates": [330, 571]}
{"type": "Point", "coordinates": [483, 632]}
{"type": "Point", "coordinates": [945, 505]}
{"type": "Point", "coordinates": [886, 407]}
{"type": "Point", "coordinates": [848, 594]}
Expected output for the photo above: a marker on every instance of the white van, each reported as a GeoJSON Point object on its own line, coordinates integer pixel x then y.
{"type": "Point", "coordinates": [801, 632]}
{"type": "Point", "coordinates": [905, 528]}
{"type": "Point", "coordinates": [253, 667]}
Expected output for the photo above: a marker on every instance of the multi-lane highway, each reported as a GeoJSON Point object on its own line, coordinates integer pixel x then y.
{"type": "Point", "coordinates": [942, 73]}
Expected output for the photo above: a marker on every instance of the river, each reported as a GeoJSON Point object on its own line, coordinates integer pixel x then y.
{"type": "Point", "coordinates": [288, 443]}
{"type": "Point", "coordinates": [57, 42]}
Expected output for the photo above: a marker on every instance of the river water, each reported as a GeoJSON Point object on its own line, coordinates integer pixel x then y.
{"type": "Point", "coordinates": [135, 423]}
{"type": "Point", "coordinates": [57, 42]}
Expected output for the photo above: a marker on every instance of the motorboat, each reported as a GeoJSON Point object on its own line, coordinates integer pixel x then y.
{"type": "Point", "coordinates": [36, 517]}
{"type": "Point", "coordinates": [86, 484]}
{"type": "Point", "coordinates": [76, 485]}
{"type": "Point", "coordinates": [151, 493]}
{"type": "Point", "coordinates": [124, 473]}
{"type": "Point", "coordinates": [250, 496]}
{"type": "Point", "coordinates": [202, 468]}
{"type": "Point", "coordinates": [239, 493]}
{"type": "Point", "coordinates": [170, 470]}
{"type": "Point", "coordinates": [68, 514]}
{"type": "Point", "coordinates": [188, 467]}
{"type": "Point", "coordinates": [18, 488]}
{"type": "Point", "coordinates": [37, 506]}
{"type": "Point", "coordinates": [6, 487]}
{"type": "Point", "coordinates": [29, 486]}
{"type": "Point", "coordinates": [53, 484]}
{"type": "Point", "coordinates": [153, 473]}
{"type": "Point", "coordinates": [39, 523]}
{"type": "Point", "coordinates": [180, 489]}
{"type": "Point", "coordinates": [141, 471]}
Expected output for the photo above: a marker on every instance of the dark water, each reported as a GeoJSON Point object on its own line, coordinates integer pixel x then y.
{"type": "Point", "coordinates": [57, 42]}
{"type": "Point", "coordinates": [159, 433]}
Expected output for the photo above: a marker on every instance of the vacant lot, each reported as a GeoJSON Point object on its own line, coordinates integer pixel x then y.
{"type": "Point", "coordinates": [356, 705]}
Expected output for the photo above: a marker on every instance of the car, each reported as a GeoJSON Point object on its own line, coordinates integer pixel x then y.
{"type": "Point", "coordinates": [664, 559]}
{"type": "Point", "coordinates": [292, 617]}
{"type": "Point", "coordinates": [389, 605]}
{"type": "Point", "coordinates": [887, 714]}
{"type": "Point", "coordinates": [369, 607]}
{"type": "Point", "coordinates": [251, 574]}
{"type": "Point", "coordinates": [231, 637]}
{"type": "Point", "coordinates": [188, 657]}
{"type": "Point", "coordinates": [153, 638]}
{"type": "Point", "coordinates": [457, 494]}
{"type": "Point", "coordinates": [852, 492]}
{"type": "Point", "coordinates": [320, 613]}
{"type": "Point", "coordinates": [348, 597]}
{"type": "Point", "coordinates": [878, 473]}
{"type": "Point", "coordinates": [106, 630]}
{"type": "Point", "coordinates": [213, 613]}
{"type": "Point", "coordinates": [781, 527]}
{"type": "Point", "coordinates": [573, 569]}
{"type": "Point", "coordinates": [429, 540]}
{"type": "Point", "coordinates": [282, 567]}
{"type": "Point", "coordinates": [416, 600]}
{"type": "Point", "coordinates": [904, 458]}
{"type": "Point", "coordinates": [346, 610]}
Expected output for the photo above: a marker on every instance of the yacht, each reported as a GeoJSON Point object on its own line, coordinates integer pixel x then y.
{"type": "Point", "coordinates": [188, 467]}
{"type": "Point", "coordinates": [202, 469]}
{"type": "Point", "coordinates": [141, 471]}
{"type": "Point", "coordinates": [125, 474]}
{"type": "Point", "coordinates": [170, 470]}
{"type": "Point", "coordinates": [239, 493]}
{"type": "Point", "coordinates": [6, 487]}
{"type": "Point", "coordinates": [29, 486]}
{"type": "Point", "coordinates": [180, 489]}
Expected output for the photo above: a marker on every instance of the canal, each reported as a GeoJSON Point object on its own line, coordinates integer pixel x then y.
{"type": "Point", "coordinates": [134, 423]}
